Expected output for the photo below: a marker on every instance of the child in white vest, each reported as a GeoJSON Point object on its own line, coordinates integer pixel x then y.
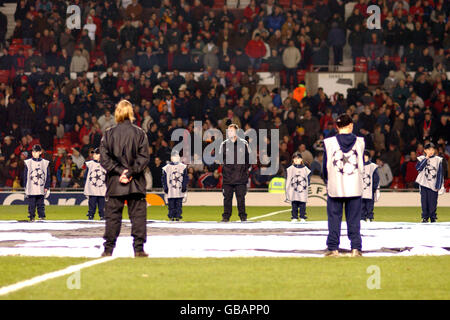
{"type": "Point", "coordinates": [431, 181]}
{"type": "Point", "coordinates": [371, 188]}
{"type": "Point", "coordinates": [174, 181]}
{"type": "Point", "coordinates": [37, 183]}
{"type": "Point", "coordinates": [343, 171]}
{"type": "Point", "coordinates": [297, 182]}
{"type": "Point", "coordinates": [95, 186]}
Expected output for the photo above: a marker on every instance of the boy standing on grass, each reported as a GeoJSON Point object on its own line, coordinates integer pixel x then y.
{"type": "Point", "coordinates": [174, 181]}
{"type": "Point", "coordinates": [371, 188]}
{"type": "Point", "coordinates": [343, 171]}
{"type": "Point", "coordinates": [297, 182]}
{"type": "Point", "coordinates": [37, 183]}
{"type": "Point", "coordinates": [431, 182]}
{"type": "Point", "coordinates": [95, 186]}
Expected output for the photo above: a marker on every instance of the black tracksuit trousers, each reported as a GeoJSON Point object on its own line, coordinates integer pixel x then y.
{"type": "Point", "coordinates": [137, 211]}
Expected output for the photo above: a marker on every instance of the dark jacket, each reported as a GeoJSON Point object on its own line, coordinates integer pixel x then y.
{"type": "Point", "coordinates": [232, 171]}
{"type": "Point", "coordinates": [124, 146]}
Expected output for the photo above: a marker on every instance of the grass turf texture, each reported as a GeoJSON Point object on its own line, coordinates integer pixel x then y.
{"type": "Point", "coordinates": [203, 213]}
{"type": "Point", "coordinates": [248, 278]}
{"type": "Point", "coordinates": [232, 278]}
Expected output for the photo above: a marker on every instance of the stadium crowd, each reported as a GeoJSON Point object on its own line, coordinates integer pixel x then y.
{"type": "Point", "coordinates": [146, 51]}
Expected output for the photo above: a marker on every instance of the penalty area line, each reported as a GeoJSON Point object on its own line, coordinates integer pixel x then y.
{"type": "Point", "coordinates": [52, 275]}
{"type": "Point", "coordinates": [269, 214]}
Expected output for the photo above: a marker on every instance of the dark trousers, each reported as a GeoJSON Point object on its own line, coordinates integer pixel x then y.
{"type": "Point", "coordinates": [356, 53]}
{"type": "Point", "coordinates": [175, 208]}
{"type": "Point", "coordinates": [367, 209]}
{"type": "Point", "coordinates": [94, 202]}
{"type": "Point", "coordinates": [298, 207]}
{"type": "Point", "coordinates": [137, 211]}
{"type": "Point", "coordinates": [240, 190]}
{"type": "Point", "coordinates": [36, 202]}
{"type": "Point", "coordinates": [428, 198]}
{"type": "Point", "coordinates": [337, 52]}
{"type": "Point", "coordinates": [335, 210]}
{"type": "Point", "coordinates": [291, 74]}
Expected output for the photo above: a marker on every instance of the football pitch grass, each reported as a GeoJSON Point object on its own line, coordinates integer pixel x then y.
{"type": "Point", "coordinates": [416, 277]}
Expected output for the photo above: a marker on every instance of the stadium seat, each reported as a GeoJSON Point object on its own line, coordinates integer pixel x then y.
{"type": "Point", "coordinates": [361, 64]}
{"type": "Point", "coordinates": [286, 3]}
{"type": "Point", "coordinates": [264, 67]}
{"type": "Point", "coordinates": [374, 77]}
{"type": "Point", "coordinates": [219, 4]}
{"type": "Point", "coordinates": [397, 183]}
{"type": "Point", "coordinates": [283, 77]}
{"type": "Point", "coordinates": [4, 76]}
{"type": "Point", "coordinates": [397, 60]}
{"type": "Point", "coordinates": [17, 41]}
{"type": "Point", "coordinates": [301, 75]}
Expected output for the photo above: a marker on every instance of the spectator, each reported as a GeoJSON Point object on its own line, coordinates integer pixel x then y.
{"type": "Point", "coordinates": [384, 171]}
{"type": "Point", "coordinates": [291, 58]}
{"type": "Point", "coordinates": [409, 171]}
{"type": "Point", "coordinates": [336, 39]}
{"type": "Point", "coordinates": [79, 63]}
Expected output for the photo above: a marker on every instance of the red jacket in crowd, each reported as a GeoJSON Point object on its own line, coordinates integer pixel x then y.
{"type": "Point", "coordinates": [255, 49]}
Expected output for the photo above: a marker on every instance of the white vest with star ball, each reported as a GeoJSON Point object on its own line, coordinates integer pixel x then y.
{"type": "Point", "coordinates": [297, 183]}
{"type": "Point", "coordinates": [345, 170]}
{"type": "Point", "coordinates": [174, 174]}
{"type": "Point", "coordinates": [428, 176]}
{"type": "Point", "coordinates": [96, 179]}
{"type": "Point", "coordinates": [369, 169]}
{"type": "Point", "coordinates": [36, 177]}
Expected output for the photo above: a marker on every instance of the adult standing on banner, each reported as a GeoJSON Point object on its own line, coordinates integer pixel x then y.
{"type": "Point", "coordinates": [124, 155]}
{"type": "Point", "coordinates": [234, 153]}
{"type": "Point", "coordinates": [343, 172]}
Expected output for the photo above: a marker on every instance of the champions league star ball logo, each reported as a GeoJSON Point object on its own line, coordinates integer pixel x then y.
{"type": "Point", "coordinates": [37, 177]}
{"type": "Point", "coordinates": [97, 178]}
{"type": "Point", "coordinates": [345, 163]}
{"type": "Point", "coordinates": [430, 173]}
{"type": "Point", "coordinates": [175, 180]}
{"type": "Point", "coordinates": [366, 181]}
{"type": "Point", "coordinates": [299, 183]}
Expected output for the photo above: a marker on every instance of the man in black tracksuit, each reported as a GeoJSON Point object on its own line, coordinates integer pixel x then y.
{"type": "Point", "coordinates": [124, 155]}
{"type": "Point", "coordinates": [234, 154]}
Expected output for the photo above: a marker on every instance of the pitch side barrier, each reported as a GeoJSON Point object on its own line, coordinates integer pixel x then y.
{"type": "Point", "coordinates": [214, 197]}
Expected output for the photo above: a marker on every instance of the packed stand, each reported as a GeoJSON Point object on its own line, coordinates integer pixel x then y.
{"type": "Point", "coordinates": [147, 52]}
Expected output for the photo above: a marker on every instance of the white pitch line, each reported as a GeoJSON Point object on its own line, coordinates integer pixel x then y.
{"type": "Point", "coordinates": [52, 275]}
{"type": "Point", "coordinates": [269, 214]}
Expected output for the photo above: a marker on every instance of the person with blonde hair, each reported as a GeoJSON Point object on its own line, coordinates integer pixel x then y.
{"type": "Point", "coordinates": [124, 155]}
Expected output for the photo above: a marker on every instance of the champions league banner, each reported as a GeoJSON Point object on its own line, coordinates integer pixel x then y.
{"type": "Point", "coordinates": [68, 199]}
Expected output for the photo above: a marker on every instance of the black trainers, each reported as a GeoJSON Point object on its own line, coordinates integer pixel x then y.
{"type": "Point", "coordinates": [432, 220]}
{"type": "Point", "coordinates": [425, 220]}
{"type": "Point", "coordinates": [90, 218]}
{"type": "Point", "coordinates": [225, 220]}
{"type": "Point", "coordinates": [243, 219]}
{"type": "Point", "coordinates": [41, 218]}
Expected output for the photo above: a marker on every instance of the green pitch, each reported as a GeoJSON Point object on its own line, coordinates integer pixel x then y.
{"type": "Point", "coordinates": [203, 213]}
{"type": "Point", "coordinates": [232, 278]}
{"type": "Point", "coordinates": [237, 278]}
